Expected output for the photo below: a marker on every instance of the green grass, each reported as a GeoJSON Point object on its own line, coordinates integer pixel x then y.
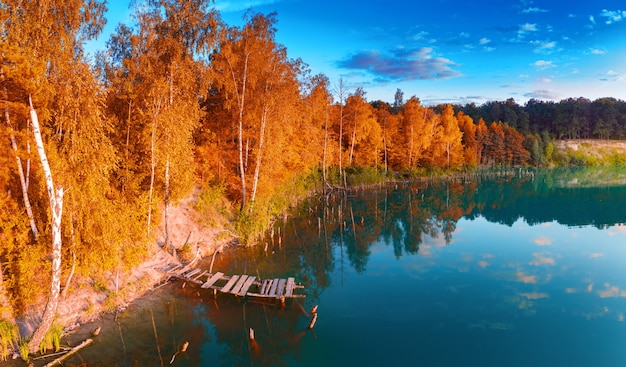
{"type": "Point", "coordinates": [8, 338]}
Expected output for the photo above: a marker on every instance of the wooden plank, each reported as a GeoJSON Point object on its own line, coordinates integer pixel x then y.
{"type": "Point", "coordinates": [281, 287]}
{"type": "Point", "coordinates": [289, 290]}
{"type": "Point", "coordinates": [272, 291]}
{"type": "Point", "coordinates": [246, 286]}
{"type": "Point", "coordinates": [265, 296]}
{"type": "Point", "coordinates": [230, 284]}
{"type": "Point", "coordinates": [201, 274]}
{"type": "Point", "coordinates": [265, 285]}
{"type": "Point", "coordinates": [217, 276]}
{"type": "Point", "coordinates": [237, 286]}
{"type": "Point", "coordinates": [192, 273]}
{"type": "Point", "coordinates": [176, 266]}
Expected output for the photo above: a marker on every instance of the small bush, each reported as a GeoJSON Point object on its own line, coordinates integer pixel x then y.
{"type": "Point", "coordinates": [52, 339]}
{"type": "Point", "coordinates": [185, 253]}
{"type": "Point", "coordinates": [8, 337]}
{"type": "Point", "coordinates": [24, 350]}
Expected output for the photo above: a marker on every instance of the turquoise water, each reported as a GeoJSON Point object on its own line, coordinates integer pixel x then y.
{"type": "Point", "coordinates": [523, 271]}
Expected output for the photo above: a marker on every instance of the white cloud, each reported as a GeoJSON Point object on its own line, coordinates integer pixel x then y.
{"type": "Point", "coordinates": [613, 76]}
{"type": "Point", "coordinates": [542, 94]}
{"type": "Point", "coordinates": [490, 49]}
{"type": "Point", "coordinates": [533, 10]}
{"type": "Point", "coordinates": [592, 19]}
{"type": "Point", "coordinates": [543, 64]}
{"type": "Point", "coordinates": [228, 6]}
{"type": "Point", "coordinates": [401, 65]}
{"type": "Point", "coordinates": [420, 36]}
{"type": "Point", "coordinates": [613, 16]}
{"type": "Point", "coordinates": [523, 29]}
{"type": "Point", "coordinates": [528, 27]}
{"type": "Point", "coordinates": [484, 41]}
{"type": "Point", "coordinates": [597, 51]}
{"type": "Point", "coordinates": [544, 47]}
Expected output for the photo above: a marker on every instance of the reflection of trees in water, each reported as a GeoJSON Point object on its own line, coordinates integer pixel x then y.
{"type": "Point", "coordinates": [277, 331]}
{"type": "Point", "coordinates": [327, 234]}
{"type": "Point", "coordinates": [402, 215]}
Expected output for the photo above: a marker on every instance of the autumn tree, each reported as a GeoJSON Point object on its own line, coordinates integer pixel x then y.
{"type": "Point", "coordinates": [317, 103]}
{"type": "Point", "coordinates": [365, 134]}
{"type": "Point", "coordinates": [259, 111]}
{"type": "Point", "coordinates": [46, 56]}
{"type": "Point", "coordinates": [389, 129]}
{"type": "Point", "coordinates": [447, 149]}
{"type": "Point", "coordinates": [468, 140]}
{"type": "Point", "coordinates": [156, 73]}
{"type": "Point", "coordinates": [416, 132]}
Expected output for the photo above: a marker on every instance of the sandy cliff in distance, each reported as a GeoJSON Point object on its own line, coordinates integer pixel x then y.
{"type": "Point", "coordinates": [593, 147]}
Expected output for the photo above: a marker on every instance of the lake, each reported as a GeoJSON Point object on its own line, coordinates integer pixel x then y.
{"type": "Point", "coordinates": [523, 269]}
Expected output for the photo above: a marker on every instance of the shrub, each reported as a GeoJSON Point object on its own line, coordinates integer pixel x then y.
{"type": "Point", "coordinates": [8, 337]}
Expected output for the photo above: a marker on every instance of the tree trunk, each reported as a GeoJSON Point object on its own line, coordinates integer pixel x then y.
{"type": "Point", "coordinates": [353, 141]}
{"type": "Point", "coordinates": [257, 168]}
{"type": "Point", "coordinates": [242, 171]}
{"type": "Point", "coordinates": [325, 145]}
{"type": "Point", "coordinates": [152, 173]}
{"type": "Point", "coordinates": [167, 200]}
{"type": "Point", "coordinates": [23, 178]}
{"type": "Point", "coordinates": [55, 196]}
{"type": "Point", "coordinates": [155, 114]}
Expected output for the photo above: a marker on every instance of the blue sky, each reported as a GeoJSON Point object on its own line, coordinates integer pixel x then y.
{"type": "Point", "coordinates": [450, 51]}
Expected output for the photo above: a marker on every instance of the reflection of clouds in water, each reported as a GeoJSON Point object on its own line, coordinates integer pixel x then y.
{"type": "Point", "coordinates": [528, 279]}
{"type": "Point", "coordinates": [620, 228]}
{"type": "Point", "coordinates": [541, 260]}
{"type": "Point", "coordinates": [595, 255]}
{"type": "Point", "coordinates": [534, 295]}
{"type": "Point", "coordinates": [542, 241]}
{"type": "Point", "coordinates": [611, 291]}
{"type": "Point", "coordinates": [425, 250]}
{"type": "Point", "coordinates": [571, 290]}
{"type": "Point", "coordinates": [483, 263]}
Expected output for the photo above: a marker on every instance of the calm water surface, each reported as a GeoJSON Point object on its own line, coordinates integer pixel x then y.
{"type": "Point", "coordinates": [515, 271]}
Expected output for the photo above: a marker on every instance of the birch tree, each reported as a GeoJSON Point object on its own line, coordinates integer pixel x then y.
{"type": "Point", "coordinates": [55, 197]}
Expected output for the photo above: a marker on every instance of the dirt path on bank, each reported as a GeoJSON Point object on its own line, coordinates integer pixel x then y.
{"type": "Point", "coordinates": [86, 301]}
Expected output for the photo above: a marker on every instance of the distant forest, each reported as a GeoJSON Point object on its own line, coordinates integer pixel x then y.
{"type": "Point", "coordinates": [96, 149]}
{"type": "Point", "coordinates": [571, 118]}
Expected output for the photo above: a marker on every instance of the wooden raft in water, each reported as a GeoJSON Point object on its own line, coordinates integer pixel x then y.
{"type": "Point", "coordinates": [239, 285]}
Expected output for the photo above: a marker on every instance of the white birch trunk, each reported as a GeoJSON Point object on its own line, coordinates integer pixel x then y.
{"type": "Point", "coordinates": [242, 171]}
{"type": "Point", "coordinates": [167, 200]}
{"type": "Point", "coordinates": [155, 115]}
{"type": "Point", "coordinates": [353, 141]}
{"type": "Point", "coordinates": [55, 196]}
{"type": "Point", "coordinates": [325, 146]}
{"type": "Point", "coordinates": [23, 178]}
{"type": "Point", "coordinates": [259, 155]}
{"type": "Point", "coordinates": [152, 174]}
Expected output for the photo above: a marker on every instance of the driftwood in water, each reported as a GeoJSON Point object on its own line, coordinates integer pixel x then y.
{"type": "Point", "coordinates": [183, 349]}
{"type": "Point", "coordinates": [314, 319]}
{"type": "Point", "coordinates": [68, 354]}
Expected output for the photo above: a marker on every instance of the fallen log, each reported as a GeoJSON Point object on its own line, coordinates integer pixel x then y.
{"type": "Point", "coordinates": [68, 354]}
